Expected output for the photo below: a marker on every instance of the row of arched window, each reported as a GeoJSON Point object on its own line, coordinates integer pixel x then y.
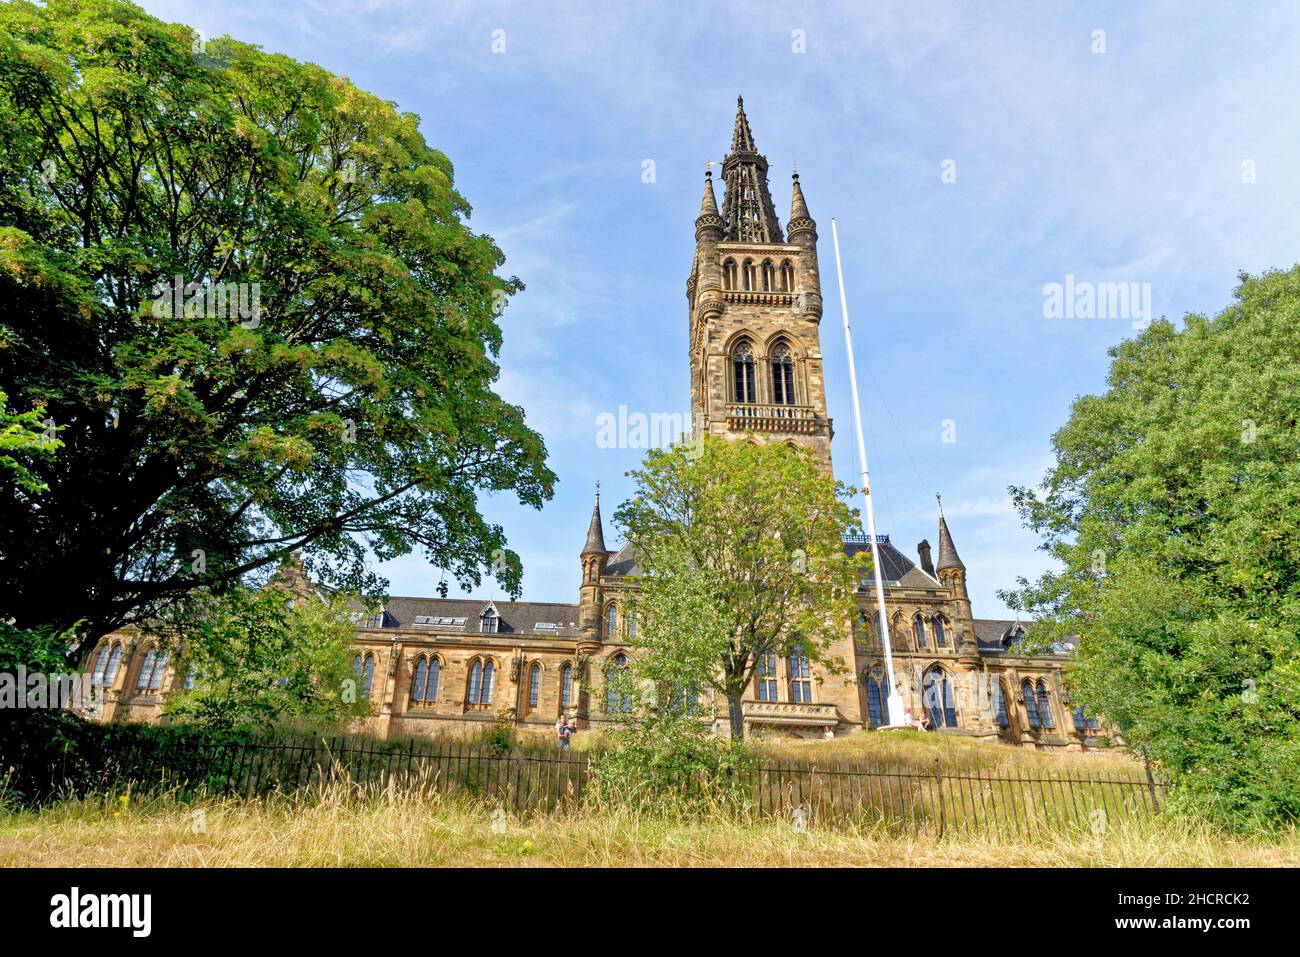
{"type": "Point", "coordinates": [109, 661]}
{"type": "Point", "coordinates": [924, 631]}
{"type": "Point", "coordinates": [765, 276]}
{"type": "Point", "coordinates": [744, 374]}
{"type": "Point", "coordinates": [480, 682]}
{"type": "Point", "coordinates": [940, 706]}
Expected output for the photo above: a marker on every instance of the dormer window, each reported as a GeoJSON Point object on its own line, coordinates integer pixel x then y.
{"type": "Point", "coordinates": [488, 622]}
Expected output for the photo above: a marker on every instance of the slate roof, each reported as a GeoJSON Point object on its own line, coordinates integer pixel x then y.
{"type": "Point", "coordinates": [624, 563]}
{"type": "Point", "coordinates": [515, 617]}
{"type": "Point", "coordinates": [896, 569]}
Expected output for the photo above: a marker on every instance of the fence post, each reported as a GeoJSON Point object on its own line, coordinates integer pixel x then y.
{"type": "Point", "coordinates": [938, 780]}
{"type": "Point", "coordinates": [1151, 784]}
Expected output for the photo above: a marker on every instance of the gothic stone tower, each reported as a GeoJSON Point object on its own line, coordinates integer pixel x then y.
{"type": "Point", "coordinates": [755, 307]}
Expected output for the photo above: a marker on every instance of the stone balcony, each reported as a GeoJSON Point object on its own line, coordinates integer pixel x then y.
{"type": "Point", "coordinates": [790, 713]}
{"type": "Point", "coordinates": [747, 416]}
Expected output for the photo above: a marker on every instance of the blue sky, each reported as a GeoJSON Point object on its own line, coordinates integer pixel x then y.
{"type": "Point", "coordinates": [1127, 165]}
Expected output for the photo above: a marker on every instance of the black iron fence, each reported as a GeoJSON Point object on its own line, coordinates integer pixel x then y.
{"type": "Point", "coordinates": [1023, 803]}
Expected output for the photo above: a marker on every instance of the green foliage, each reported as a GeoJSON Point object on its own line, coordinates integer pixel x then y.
{"type": "Point", "coordinates": [742, 549]}
{"type": "Point", "coordinates": [355, 409]}
{"type": "Point", "coordinates": [1174, 510]}
{"type": "Point", "coordinates": [667, 762]}
{"type": "Point", "coordinates": [23, 439]}
{"type": "Point", "coordinates": [259, 657]}
{"type": "Point", "coordinates": [499, 738]}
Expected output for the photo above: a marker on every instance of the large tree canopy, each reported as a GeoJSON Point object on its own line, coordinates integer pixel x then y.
{"type": "Point", "coordinates": [743, 553]}
{"type": "Point", "coordinates": [323, 382]}
{"type": "Point", "coordinates": [1174, 509]}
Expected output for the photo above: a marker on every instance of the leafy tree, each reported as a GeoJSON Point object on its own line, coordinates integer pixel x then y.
{"type": "Point", "coordinates": [23, 438]}
{"type": "Point", "coordinates": [246, 293]}
{"type": "Point", "coordinates": [1174, 511]}
{"type": "Point", "coordinates": [257, 656]}
{"type": "Point", "coordinates": [743, 555]}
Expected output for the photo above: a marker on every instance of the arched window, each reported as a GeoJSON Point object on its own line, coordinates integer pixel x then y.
{"type": "Point", "coordinates": [765, 674]}
{"type": "Point", "coordinates": [611, 622]}
{"type": "Point", "coordinates": [631, 622]}
{"type": "Point", "coordinates": [106, 664]}
{"type": "Point", "coordinates": [685, 699]}
{"type": "Point", "coordinates": [782, 376]}
{"type": "Point", "coordinates": [364, 669]}
{"type": "Point", "coordinates": [481, 676]}
{"type": "Point", "coordinates": [618, 691]}
{"type": "Point", "coordinates": [424, 689]}
{"type": "Point", "coordinates": [742, 373]}
{"type": "Point", "coordinates": [1084, 723]}
{"type": "Point", "coordinates": [769, 276]}
{"type": "Point", "coordinates": [566, 687]}
{"type": "Point", "coordinates": [800, 676]}
{"type": "Point", "coordinates": [939, 638]}
{"type": "Point", "coordinates": [877, 697]}
{"type": "Point", "coordinates": [1045, 707]}
{"type": "Point", "coordinates": [1031, 704]}
{"type": "Point", "coordinates": [939, 701]}
{"type": "Point", "coordinates": [918, 625]}
{"type": "Point", "coordinates": [729, 274]}
{"type": "Point", "coordinates": [114, 663]}
{"type": "Point", "coordinates": [748, 270]}
{"type": "Point", "coordinates": [1000, 705]}
{"type": "Point", "coordinates": [787, 277]}
{"type": "Point", "coordinates": [534, 685]}
{"type": "Point", "coordinates": [151, 672]}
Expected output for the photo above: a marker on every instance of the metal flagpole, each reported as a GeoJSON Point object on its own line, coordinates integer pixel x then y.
{"type": "Point", "coordinates": [893, 703]}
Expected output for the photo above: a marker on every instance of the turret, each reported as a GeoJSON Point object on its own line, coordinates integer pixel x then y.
{"type": "Point", "coordinates": [952, 575]}
{"type": "Point", "coordinates": [802, 232]}
{"type": "Point", "coordinates": [706, 278]}
{"type": "Point", "coordinates": [594, 557]}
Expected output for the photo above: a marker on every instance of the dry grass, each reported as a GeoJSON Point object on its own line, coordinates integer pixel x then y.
{"type": "Point", "coordinates": [340, 827]}
{"type": "Point", "coordinates": [918, 750]}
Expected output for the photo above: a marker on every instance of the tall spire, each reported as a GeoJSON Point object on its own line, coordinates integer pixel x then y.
{"type": "Point", "coordinates": [595, 533]}
{"type": "Point", "coordinates": [798, 208]}
{"type": "Point", "coordinates": [708, 205]}
{"type": "Point", "coordinates": [948, 557]}
{"type": "Point", "coordinates": [747, 204]}
{"type": "Point", "coordinates": [742, 138]}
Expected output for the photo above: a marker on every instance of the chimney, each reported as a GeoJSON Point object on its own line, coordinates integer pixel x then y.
{"type": "Point", "coordinates": [923, 550]}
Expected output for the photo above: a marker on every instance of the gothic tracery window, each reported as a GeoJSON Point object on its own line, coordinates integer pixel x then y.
{"type": "Point", "coordinates": [748, 270]}
{"type": "Point", "coordinates": [918, 626]}
{"type": "Point", "coordinates": [787, 277]}
{"type": "Point", "coordinates": [618, 690]}
{"type": "Point", "coordinates": [481, 679]}
{"type": "Point", "coordinates": [742, 367]}
{"type": "Point", "coordinates": [729, 274]}
{"type": "Point", "coordinates": [939, 640]}
{"type": "Point", "coordinates": [769, 276]}
{"type": "Point", "coordinates": [939, 700]}
{"type": "Point", "coordinates": [534, 685]}
{"type": "Point", "coordinates": [424, 689]}
{"type": "Point", "coordinates": [765, 675]}
{"type": "Point", "coordinates": [1031, 704]}
{"type": "Point", "coordinates": [800, 676]}
{"type": "Point", "coordinates": [782, 376]}
{"type": "Point", "coordinates": [1045, 707]}
{"type": "Point", "coordinates": [566, 687]}
{"type": "Point", "coordinates": [364, 670]}
{"type": "Point", "coordinates": [151, 672]}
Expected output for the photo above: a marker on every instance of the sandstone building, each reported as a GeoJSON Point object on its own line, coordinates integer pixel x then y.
{"type": "Point", "coordinates": [754, 297]}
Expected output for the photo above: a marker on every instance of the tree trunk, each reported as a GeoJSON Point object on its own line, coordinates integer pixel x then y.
{"type": "Point", "coordinates": [736, 712]}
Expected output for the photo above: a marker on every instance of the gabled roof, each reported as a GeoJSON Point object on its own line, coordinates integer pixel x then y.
{"type": "Point", "coordinates": [514, 617]}
{"type": "Point", "coordinates": [625, 563]}
{"type": "Point", "coordinates": [896, 569]}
